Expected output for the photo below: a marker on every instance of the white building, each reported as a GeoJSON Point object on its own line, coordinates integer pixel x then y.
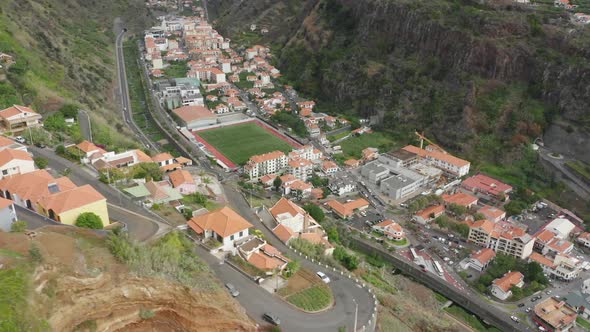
{"type": "Point", "coordinates": [444, 161]}
{"type": "Point", "coordinates": [501, 237]}
{"type": "Point", "coordinates": [561, 227]}
{"type": "Point", "coordinates": [289, 214]}
{"type": "Point", "coordinates": [267, 163]}
{"type": "Point", "coordinates": [224, 226]}
{"type": "Point", "coordinates": [300, 168]}
{"type": "Point", "coordinates": [501, 286]}
{"type": "Point", "coordinates": [14, 162]}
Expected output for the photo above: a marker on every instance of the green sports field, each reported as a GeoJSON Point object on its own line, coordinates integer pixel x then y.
{"type": "Point", "coordinates": [240, 142]}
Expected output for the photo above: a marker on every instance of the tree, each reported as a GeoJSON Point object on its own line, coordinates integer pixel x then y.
{"type": "Point", "coordinates": [60, 150]}
{"type": "Point", "coordinates": [333, 235]}
{"type": "Point", "coordinates": [69, 111]}
{"type": "Point", "coordinates": [18, 226]}
{"type": "Point", "coordinates": [478, 216]}
{"type": "Point", "coordinates": [41, 162]}
{"type": "Point", "coordinates": [89, 220]}
{"type": "Point", "coordinates": [315, 212]}
{"type": "Point", "coordinates": [292, 268]}
{"type": "Point", "coordinates": [457, 210]}
{"type": "Point", "coordinates": [277, 183]}
{"type": "Point", "coordinates": [462, 229]}
{"type": "Point", "coordinates": [147, 170]}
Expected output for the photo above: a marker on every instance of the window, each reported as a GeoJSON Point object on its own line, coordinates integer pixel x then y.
{"type": "Point", "coordinates": [241, 233]}
{"type": "Point", "coordinates": [4, 172]}
{"type": "Point", "coordinates": [231, 238]}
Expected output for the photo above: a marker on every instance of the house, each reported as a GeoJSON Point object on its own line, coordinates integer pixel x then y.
{"type": "Point", "coordinates": [124, 159]}
{"type": "Point", "coordinates": [390, 229]}
{"type": "Point", "coordinates": [267, 163]}
{"type": "Point", "coordinates": [7, 214]}
{"type": "Point", "coordinates": [318, 238]}
{"type": "Point", "coordinates": [15, 162]}
{"type": "Point", "coordinates": [352, 163]}
{"type": "Point", "coordinates": [289, 214]}
{"type": "Point", "coordinates": [481, 259]}
{"type": "Point", "coordinates": [562, 266]}
{"type": "Point", "coordinates": [555, 315]}
{"type": "Point", "coordinates": [223, 225]}
{"type": "Point", "coordinates": [461, 199]}
{"type": "Point", "coordinates": [501, 286]}
{"type": "Point", "coordinates": [65, 206]}
{"type": "Point", "coordinates": [6, 143]}
{"type": "Point", "coordinates": [341, 186]}
{"type": "Point", "coordinates": [584, 239]}
{"type": "Point", "coordinates": [86, 149]}
{"type": "Point", "coordinates": [155, 192]}
{"type": "Point", "coordinates": [370, 154]}
{"type": "Point", "coordinates": [300, 168]}
{"type": "Point", "coordinates": [182, 161]}
{"type": "Point", "coordinates": [267, 180]}
{"type": "Point", "coordinates": [183, 181]}
{"type": "Point", "coordinates": [268, 259]}
{"type": "Point", "coordinates": [428, 214]}
{"type": "Point", "coordinates": [329, 167]}
{"type": "Point", "coordinates": [163, 159]}
{"type": "Point", "coordinates": [17, 118]}
{"type": "Point", "coordinates": [543, 238]}
{"type": "Point", "coordinates": [502, 237]}
{"type": "Point", "coordinates": [346, 210]}
{"type": "Point", "coordinates": [193, 117]}
{"type": "Point", "coordinates": [297, 188]}
{"type": "Point", "coordinates": [492, 213]}
{"type": "Point", "coordinates": [451, 164]}
{"type": "Point", "coordinates": [561, 227]}
{"type": "Point", "coordinates": [557, 246]}
{"type": "Point", "coordinates": [284, 233]}
{"type": "Point", "coordinates": [486, 186]}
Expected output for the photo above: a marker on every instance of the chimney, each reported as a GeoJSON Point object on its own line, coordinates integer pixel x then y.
{"type": "Point", "coordinates": [305, 223]}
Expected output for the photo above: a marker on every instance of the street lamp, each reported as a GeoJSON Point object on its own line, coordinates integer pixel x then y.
{"type": "Point", "coordinates": [356, 312]}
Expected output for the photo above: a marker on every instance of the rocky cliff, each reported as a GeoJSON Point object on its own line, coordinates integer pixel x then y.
{"type": "Point", "coordinates": [471, 75]}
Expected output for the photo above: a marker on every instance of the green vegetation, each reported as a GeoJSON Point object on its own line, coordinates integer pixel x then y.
{"type": "Point", "coordinates": [292, 121]}
{"type": "Point", "coordinates": [312, 299]}
{"type": "Point", "coordinates": [583, 323]}
{"type": "Point", "coordinates": [470, 319]}
{"type": "Point", "coordinates": [581, 168]}
{"type": "Point", "coordinates": [243, 83]}
{"type": "Point", "coordinates": [176, 69]}
{"type": "Point", "coordinates": [245, 266]}
{"type": "Point", "coordinates": [146, 314]}
{"type": "Point", "coordinates": [451, 224]}
{"type": "Point", "coordinates": [315, 212]}
{"type": "Point", "coordinates": [315, 251]}
{"type": "Point", "coordinates": [18, 226]}
{"type": "Point", "coordinates": [253, 140]}
{"type": "Point", "coordinates": [354, 146]}
{"type": "Point", "coordinates": [333, 138]}
{"type": "Point", "coordinates": [171, 257]}
{"type": "Point", "coordinates": [89, 220]}
{"type": "Point", "coordinates": [348, 260]}
{"type": "Point", "coordinates": [41, 162]}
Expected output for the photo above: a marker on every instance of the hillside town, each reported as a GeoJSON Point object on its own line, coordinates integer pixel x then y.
{"type": "Point", "coordinates": [414, 201]}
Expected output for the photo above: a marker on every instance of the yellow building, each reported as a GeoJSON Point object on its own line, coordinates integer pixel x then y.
{"type": "Point", "coordinates": [66, 206]}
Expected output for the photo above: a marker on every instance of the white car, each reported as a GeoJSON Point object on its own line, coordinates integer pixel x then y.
{"type": "Point", "coordinates": [514, 318]}
{"type": "Point", "coordinates": [20, 139]}
{"type": "Point", "coordinates": [323, 276]}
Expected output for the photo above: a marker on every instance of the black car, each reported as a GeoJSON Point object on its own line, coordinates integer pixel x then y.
{"type": "Point", "coordinates": [521, 305]}
{"type": "Point", "coordinates": [271, 318]}
{"type": "Point", "coordinates": [40, 145]}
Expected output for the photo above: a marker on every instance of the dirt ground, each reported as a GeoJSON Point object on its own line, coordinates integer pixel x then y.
{"type": "Point", "coordinates": [299, 281]}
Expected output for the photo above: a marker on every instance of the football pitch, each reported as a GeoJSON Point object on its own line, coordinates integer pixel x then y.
{"type": "Point", "coordinates": [240, 142]}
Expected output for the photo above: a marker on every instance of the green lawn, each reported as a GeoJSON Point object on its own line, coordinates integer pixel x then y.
{"type": "Point", "coordinates": [240, 142]}
{"type": "Point", "coordinates": [583, 323]}
{"type": "Point", "coordinates": [314, 298]}
{"type": "Point", "coordinates": [470, 319]}
{"type": "Point", "coordinates": [354, 146]}
{"type": "Point", "coordinates": [176, 69]}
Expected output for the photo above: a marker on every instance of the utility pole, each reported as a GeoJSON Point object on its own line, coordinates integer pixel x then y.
{"type": "Point", "coordinates": [356, 312]}
{"type": "Point", "coordinates": [30, 135]}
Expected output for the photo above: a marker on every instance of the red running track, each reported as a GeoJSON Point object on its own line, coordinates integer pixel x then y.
{"type": "Point", "coordinates": [214, 151]}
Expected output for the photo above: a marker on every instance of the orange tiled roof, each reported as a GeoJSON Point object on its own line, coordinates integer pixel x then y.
{"type": "Point", "coordinates": [508, 280]}
{"type": "Point", "coordinates": [15, 110]}
{"type": "Point", "coordinates": [87, 146]}
{"type": "Point", "coordinates": [315, 238]}
{"type": "Point", "coordinates": [8, 155]}
{"type": "Point", "coordinates": [71, 199]}
{"type": "Point", "coordinates": [545, 236]}
{"type": "Point", "coordinates": [484, 256]}
{"type": "Point", "coordinates": [458, 162]}
{"type": "Point", "coordinates": [34, 185]}
{"type": "Point", "coordinates": [192, 113]}
{"type": "Point", "coordinates": [535, 256]}
{"type": "Point", "coordinates": [484, 224]}
{"type": "Point", "coordinates": [435, 209]}
{"type": "Point", "coordinates": [224, 222]}
{"type": "Point", "coordinates": [286, 206]}
{"type": "Point", "coordinates": [162, 157]}
{"type": "Point", "coordinates": [460, 198]}
{"type": "Point", "coordinates": [559, 245]}
{"type": "Point", "coordinates": [180, 177]}
{"type": "Point", "coordinates": [491, 212]}
{"type": "Point", "coordinates": [267, 156]}
{"type": "Point", "coordinates": [284, 233]}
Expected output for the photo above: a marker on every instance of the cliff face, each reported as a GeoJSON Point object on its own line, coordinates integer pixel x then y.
{"type": "Point", "coordinates": [459, 70]}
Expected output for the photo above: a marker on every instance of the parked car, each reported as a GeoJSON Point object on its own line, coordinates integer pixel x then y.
{"type": "Point", "coordinates": [528, 309]}
{"type": "Point", "coordinates": [271, 318]}
{"type": "Point", "coordinates": [520, 305]}
{"type": "Point", "coordinates": [232, 290]}
{"type": "Point", "coordinates": [323, 276]}
{"type": "Point", "coordinates": [20, 139]}
{"type": "Point", "coordinates": [548, 292]}
{"type": "Point", "coordinates": [40, 145]}
{"type": "Point", "coordinates": [514, 318]}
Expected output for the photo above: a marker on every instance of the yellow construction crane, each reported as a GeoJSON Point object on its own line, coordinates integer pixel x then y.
{"type": "Point", "coordinates": [423, 138]}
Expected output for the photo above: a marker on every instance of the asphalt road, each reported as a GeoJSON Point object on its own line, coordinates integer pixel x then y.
{"type": "Point", "coordinates": [85, 125]}
{"type": "Point", "coordinates": [141, 224]}
{"type": "Point", "coordinates": [345, 290]}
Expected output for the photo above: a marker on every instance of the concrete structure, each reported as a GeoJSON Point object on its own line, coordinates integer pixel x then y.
{"type": "Point", "coordinates": [584, 239]}
{"type": "Point", "coordinates": [486, 186]}
{"type": "Point", "coordinates": [67, 206]}
{"type": "Point", "coordinates": [341, 186]}
{"type": "Point", "coordinates": [461, 199]}
{"type": "Point", "coordinates": [501, 286]}
{"type": "Point", "coordinates": [492, 213]}
{"type": "Point", "coordinates": [13, 162]}
{"type": "Point", "coordinates": [16, 119]}
{"type": "Point", "coordinates": [300, 168]}
{"type": "Point", "coordinates": [329, 167]}
{"type": "Point", "coordinates": [7, 214]}
{"type": "Point", "coordinates": [561, 227]}
{"type": "Point", "coordinates": [501, 237]}
{"type": "Point", "coordinates": [223, 225]}
{"type": "Point", "coordinates": [193, 117]}
{"type": "Point", "coordinates": [555, 315]}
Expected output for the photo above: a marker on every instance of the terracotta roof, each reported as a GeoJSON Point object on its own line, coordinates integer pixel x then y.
{"type": "Point", "coordinates": [192, 113]}
{"type": "Point", "coordinates": [5, 141]}
{"type": "Point", "coordinates": [4, 203]}
{"type": "Point", "coordinates": [268, 178]}
{"type": "Point", "coordinates": [162, 157]}
{"type": "Point", "coordinates": [284, 233]}
{"type": "Point", "coordinates": [347, 209]}
{"type": "Point", "coordinates": [34, 185]}
{"type": "Point", "coordinates": [458, 162]}
{"type": "Point", "coordinates": [183, 161]}
{"type": "Point", "coordinates": [224, 222]}
{"type": "Point", "coordinates": [545, 236]}
{"type": "Point", "coordinates": [296, 163]}
{"type": "Point", "coordinates": [460, 198]}
{"type": "Point", "coordinates": [484, 224]}
{"type": "Point", "coordinates": [287, 179]}
{"type": "Point", "coordinates": [180, 177]}
{"type": "Point", "coordinates": [286, 206]}
{"type": "Point", "coordinates": [556, 313]}
{"type": "Point", "coordinates": [8, 155]}
{"type": "Point", "coordinates": [15, 110]}
{"type": "Point", "coordinates": [559, 245]}
{"type": "Point", "coordinates": [170, 167]}
{"type": "Point", "coordinates": [385, 223]}
{"type": "Point", "coordinates": [265, 262]}
{"type": "Point", "coordinates": [299, 185]}
{"type": "Point", "coordinates": [484, 256]}
{"type": "Point", "coordinates": [87, 146]}
{"type": "Point", "coordinates": [142, 156]}
{"type": "Point", "coordinates": [508, 280]}
{"type": "Point", "coordinates": [71, 199]}
{"type": "Point", "coordinates": [351, 162]}
{"type": "Point", "coordinates": [315, 238]}
{"type": "Point", "coordinates": [491, 212]}
{"type": "Point", "coordinates": [357, 204]}
{"type": "Point", "coordinates": [486, 184]}
{"type": "Point", "coordinates": [535, 256]}
{"type": "Point", "coordinates": [584, 236]}
{"type": "Point", "coordinates": [267, 156]}
{"type": "Point", "coordinates": [426, 213]}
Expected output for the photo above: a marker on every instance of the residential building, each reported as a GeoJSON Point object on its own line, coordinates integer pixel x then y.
{"type": "Point", "coordinates": [461, 199]}
{"type": "Point", "coordinates": [223, 225]}
{"type": "Point", "coordinates": [492, 213]}
{"type": "Point", "coordinates": [306, 152]}
{"type": "Point", "coordinates": [268, 259]}
{"type": "Point", "coordinates": [370, 154]}
{"type": "Point", "coordinates": [66, 206]}
{"type": "Point", "coordinates": [7, 214]}
{"type": "Point", "coordinates": [352, 163]}
{"type": "Point", "coordinates": [153, 192]}
{"type": "Point", "coordinates": [346, 210]}
{"type": "Point", "coordinates": [486, 186]}
{"type": "Point", "coordinates": [118, 160]}
{"type": "Point", "coordinates": [267, 163]}
{"type": "Point", "coordinates": [542, 239]}
{"type": "Point", "coordinates": [341, 186]}
{"type": "Point", "coordinates": [318, 238]}
{"type": "Point", "coordinates": [183, 181]}
{"type": "Point", "coordinates": [289, 214]}
{"type": "Point", "coordinates": [297, 188]}
{"type": "Point", "coordinates": [16, 119]}
{"type": "Point", "coordinates": [555, 315]}
{"type": "Point", "coordinates": [7, 143]}
{"type": "Point", "coordinates": [450, 164]}
{"type": "Point", "coordinates": [329, 167]}
{"type": "Point", "coordinates": [428, 214]}
{"type": "Point", "coordinates": [481, 259]}
{"type": "Point", "coordinates": [193, 117]}
{"type": "Point", "coordinates": [163, 159]}
{"type": "Point", "coordinates": [501, 286]}
{"type": "Point", "coordinates": [584, 239]}
{"type": "Point", "coordinates": [14, 162]}
{"type": "Point", "coordinates": [300, 168]}
{"type": "Point", "coordinates": [561, 227]}
{"type": "Point", "coordinates": [86, 149]}
{"type": "Point", "coordinates": [501, 237]}
{"type": "Point", "coordinates": [562, 266]}
{"type": "Point", "coordinates": [390, 229]}
{"type": "Point", "coordinates": [557, 246]}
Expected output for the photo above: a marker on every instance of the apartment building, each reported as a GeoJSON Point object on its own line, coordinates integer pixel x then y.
{"type": "Point", "coordinates": [555, 315]}
{"type": "Point", "coordinates": [18, 118]}
{"type": "Point", "coordinates": [562, 266]}
{"type": "Point", "coordinates": [449, 163]}
{"type": "Point", "coordinates": [300, 168]}
{"type": "Point", "coordinates": [501, 237]}
{"type": "Point", "coordinates": [267, 163]}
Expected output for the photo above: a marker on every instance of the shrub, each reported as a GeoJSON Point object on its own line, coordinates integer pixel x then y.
{"type": "Point", "coordinates": [315, 212]}
{"type": "Point", "coordinates": [41, 162]}
{"type": "Point", "coordinates": [89, 220]}
{"type": "Point", "coordinates": [35, 254]}
{"type": "Point", "coordinates": [146, 314]}
{"type": "Point", "coordinates": [18, 226]}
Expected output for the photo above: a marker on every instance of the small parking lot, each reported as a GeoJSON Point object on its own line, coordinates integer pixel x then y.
{"type": "Point", "coordinates": [537, 219]}
{"type": "Point", "coordinates": [364, 221]}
